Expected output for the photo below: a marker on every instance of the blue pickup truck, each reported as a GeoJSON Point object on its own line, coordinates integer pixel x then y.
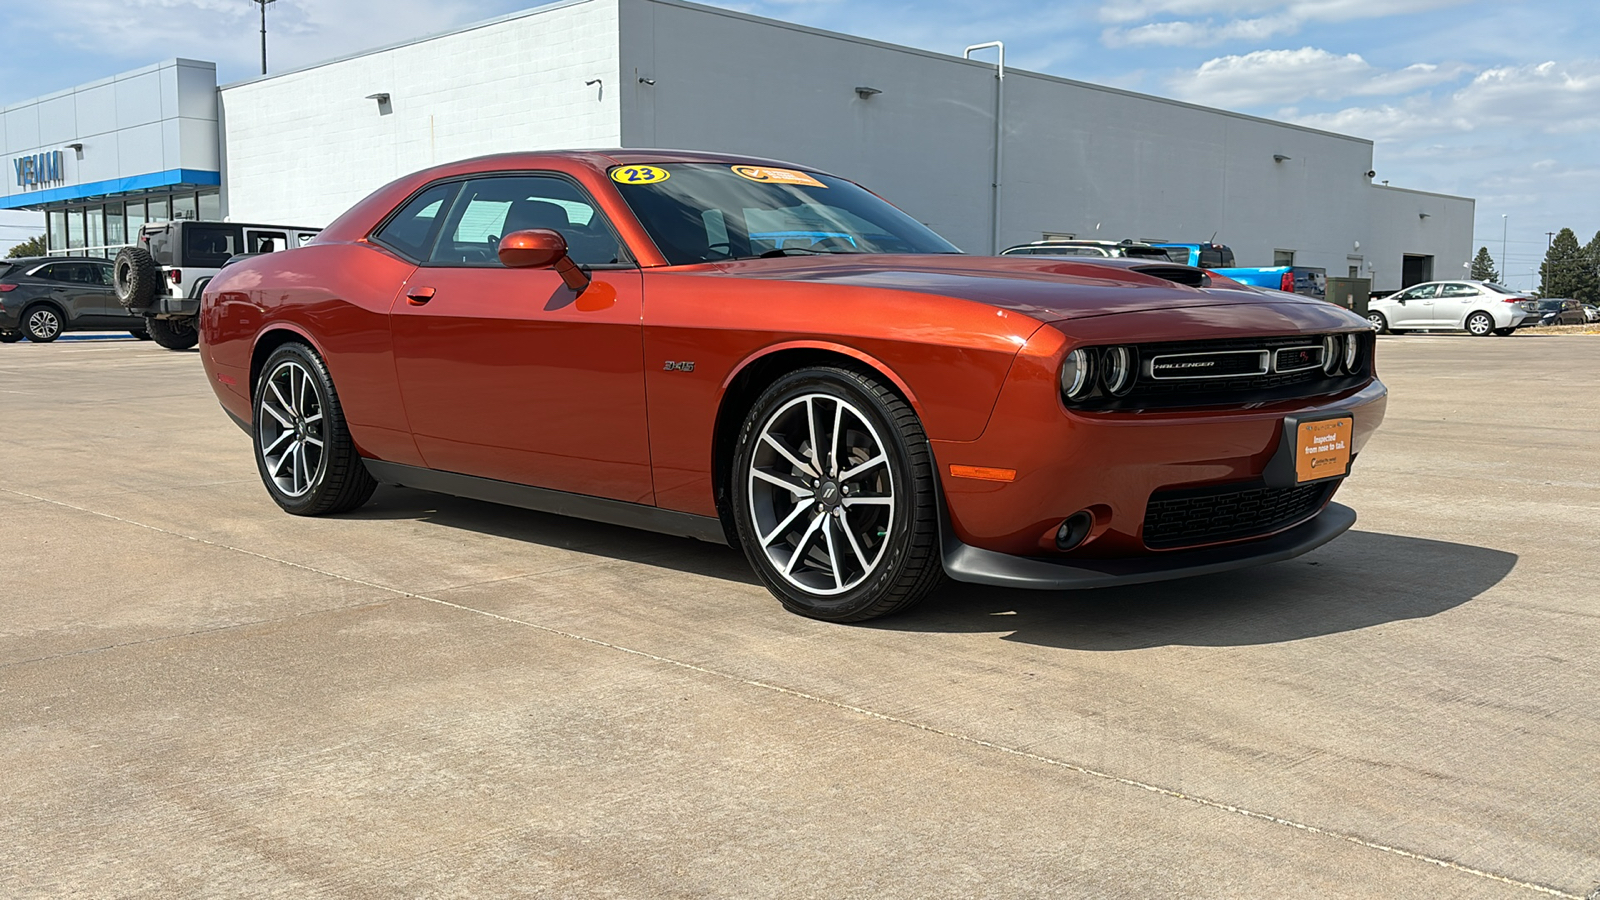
{"type": "Point", "coordinates": [1307, 280]}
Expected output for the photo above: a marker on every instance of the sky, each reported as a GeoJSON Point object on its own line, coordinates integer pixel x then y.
{"type": "Point", "coordinates": [1498, 101]}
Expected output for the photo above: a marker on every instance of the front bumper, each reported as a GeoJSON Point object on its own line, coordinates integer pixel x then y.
{"type": "Point", "coordinates": [1111, 464]}
{"type": "Point", "coordinates": [963, 562]}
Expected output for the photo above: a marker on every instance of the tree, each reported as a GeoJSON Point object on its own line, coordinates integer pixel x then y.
{"type": "Point", "coordinates": [1483, 266]}
{"type": "Point", "coordinates": [1591, 256]}
{"type": "Point", "coordinates": [1566, 270]}
{"type": "Point", "coordinates": [34, 246]}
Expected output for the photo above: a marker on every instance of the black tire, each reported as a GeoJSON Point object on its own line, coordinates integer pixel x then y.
{"type": "Point", "coordinates": [295, 404]}
{"type": "Point", "coordinates": [173, 334]}
{"type": "Point", "coordinates": [140, 333]}
{"type": "Point", "coordinates": [1505, 332]}
{"type": "Point", "coordinates": [10, 337]}
{"type": "Point", "coordinates": [1480, 324]}
{"type": "Point", "coordinates": [135, 277]}
{"type": "Point", "coordinates": [901, 538]}
{"type": "Point", "coordinates": [1378, 321]}
{"type": "Point", "coordinates": [43, 323]}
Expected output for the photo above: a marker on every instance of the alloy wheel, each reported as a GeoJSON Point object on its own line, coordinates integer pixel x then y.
{"type": "Point", "coordinates": [293, 434]}
{"type": "Point", "coordinates": [822, 494]}
{"type": "Point", "coordinates": [44, 324]}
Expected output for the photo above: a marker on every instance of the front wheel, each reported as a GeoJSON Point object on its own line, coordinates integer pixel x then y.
{"type": "Point", "coordinates": [1378, 321]}
{"type": "Point", "coordinates": [834, 496]}
{"type": "Point", "coordinates": [173, 334]}
{"type": "Point", "coordinates": [303, 447]}
{"type": "Point", "coordinates": [1480, 324]}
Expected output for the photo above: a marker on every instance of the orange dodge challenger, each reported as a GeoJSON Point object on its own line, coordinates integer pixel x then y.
{"type": "Point", "coordinates": [759, 353]}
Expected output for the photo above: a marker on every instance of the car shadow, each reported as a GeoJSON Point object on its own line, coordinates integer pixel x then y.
{"type": "Point", "coordinates": [1361, 580]}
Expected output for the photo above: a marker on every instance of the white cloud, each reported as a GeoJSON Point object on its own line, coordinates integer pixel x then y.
{"type": "Point", "coordinates": [1550, 98]}
{"type": "Point", "coordinates": [1200, 23]}
{"type": "Point", "coordinates": [1267, 77]}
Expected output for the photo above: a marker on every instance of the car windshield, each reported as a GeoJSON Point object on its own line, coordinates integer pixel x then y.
{"type": "Point", "coordinates": [705, 212]}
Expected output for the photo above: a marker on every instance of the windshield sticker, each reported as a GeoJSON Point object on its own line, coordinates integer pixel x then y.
{"type": "Point", "coordinates": [765, 175]}
{"type": "Point", "coordinates": [639, 175]}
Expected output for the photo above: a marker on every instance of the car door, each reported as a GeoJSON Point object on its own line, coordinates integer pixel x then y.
{"type": "Point", "coordinates": [1454, 302]}
{"type": "Point", "coordinates": [510, 374]}
{"type": "Point", "coordinates": [1413, 307]}
{"type": "Point", "coordinates": [68, 284]}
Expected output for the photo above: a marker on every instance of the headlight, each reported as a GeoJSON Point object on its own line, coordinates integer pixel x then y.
{"type": "Point", "coordinates": [1352, 352]}
{"type": "Point", "coordinates": [1117, 370]}
{"type": "Point", "coordinates": [1077, 374]}
{"type": "Point", "coordinates": [1332, 353]}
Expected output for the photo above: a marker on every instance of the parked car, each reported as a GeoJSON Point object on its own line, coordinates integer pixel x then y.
{"type": "Point", "coordinates": [1480, 308]}
{"type": "Point", "coordinates": [1309, 281]}
{"type": "Point", "coordinates": [1558, 311]}
{"type": "Point", "coordinates": [1591, 313]}
{"type": "Point", "coordinates": [1092, 249]}
{"type": "Point", "coordinates": [43, 297]}
{"type": "Point", "coordinates": [159, 278]}
{"type": "Point", "coordinates": [862, 418]}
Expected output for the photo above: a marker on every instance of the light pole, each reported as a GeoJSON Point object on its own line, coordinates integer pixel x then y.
{"type": "Point", "coordinates": [263, 5]}
{"type": "Point", "coordinates": [999, 135]}
{"type": "Point", "coordinates": [1503, 221]}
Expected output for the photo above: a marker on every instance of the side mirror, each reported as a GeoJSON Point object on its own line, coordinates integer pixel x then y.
{"type": "Point", "coordinates": [542, 248]}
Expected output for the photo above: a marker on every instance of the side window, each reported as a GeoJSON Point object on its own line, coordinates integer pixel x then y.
{"type": "Point", "coordinates": [412, 230]}
{"type": "Point", "coordinates": [1458, 290]}
{"type": "Point", "coordinates": [265, 241]}
{"type": "Point", "coordinates": [488, 209]}
{"type": "Point", "coordinates": [1420, 292]}
{"type": "Point", "coordinates": [104, 275]}
{"type": "Point", "coordinates": [209, 245]}
{"type": "Point", "coordinates": [56, 272]}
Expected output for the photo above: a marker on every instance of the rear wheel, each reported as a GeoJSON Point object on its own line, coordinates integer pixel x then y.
{"type": "Point", "coordinates": [173, 334]}
{"type": "Point", "coordinates": [834, 497]}
{"type": "Point", "coordinates": [140, 333]}
{"type": "Point", "coordinates": [42, 324]}
{"type": "Point", "coordinates": [10, 337]}
{"type": "Point", "coordinates": [1504, 332]}
{"type": "Point", "coordinates": [303, 448]}
{"type": "Point", "coordinates": [1480, 324]}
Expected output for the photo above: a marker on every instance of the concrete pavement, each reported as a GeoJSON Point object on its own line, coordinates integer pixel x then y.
{"type": "Point", "coordinates": [201, 696]}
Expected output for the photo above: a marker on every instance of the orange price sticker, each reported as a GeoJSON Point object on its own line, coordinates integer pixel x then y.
{"type": "Point", "coordinates": [765, 175]}
{"type": "Point", "coordinates": [1322, 449]}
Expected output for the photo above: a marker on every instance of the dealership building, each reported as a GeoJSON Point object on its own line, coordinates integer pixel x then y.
{"type": "Point", "coordinates": [987, 161]}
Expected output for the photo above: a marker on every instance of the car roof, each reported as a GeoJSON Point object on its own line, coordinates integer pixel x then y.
{"type": "Point", "coordinates": [35, 260]}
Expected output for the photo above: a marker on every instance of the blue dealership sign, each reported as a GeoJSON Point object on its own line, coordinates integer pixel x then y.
{"type": "Point", "coordinates": [39, 168]}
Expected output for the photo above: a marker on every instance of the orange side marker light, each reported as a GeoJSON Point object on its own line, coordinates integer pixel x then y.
{"type": "Point", "coordinates": [983, 473]}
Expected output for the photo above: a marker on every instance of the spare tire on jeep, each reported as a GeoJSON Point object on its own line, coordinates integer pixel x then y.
{"type": "Point", "coordinates": [135, 277]}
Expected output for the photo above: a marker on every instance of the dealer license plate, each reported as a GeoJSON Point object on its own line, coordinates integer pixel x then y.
{"type": "Point", "coordinates": [1322, 449]}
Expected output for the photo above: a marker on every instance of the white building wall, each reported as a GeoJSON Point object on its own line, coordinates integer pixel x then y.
{"type": "Point", "coordinates": [302, 147]}
{"type": "Point", "coordinates": [1079, 158]}
{"type": "Point", "coordinates": [1421, 224]}
{"type": "Point", "coordinates": [148, 121]}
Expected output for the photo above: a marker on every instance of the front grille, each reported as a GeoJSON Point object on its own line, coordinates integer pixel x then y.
{"type": "Point", "coordinates": [1184, 518]}
{"type": "Point", "coordinates": [1231, 372]}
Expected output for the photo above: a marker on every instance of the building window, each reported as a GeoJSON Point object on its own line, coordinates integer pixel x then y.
{"type": "Point", "coordinates": [74, 229]}
{"type": "Point", "coordinates": [160, 210]}
{"type": "Point", "coordinates": [116, 233]}
{"type": "Point", "coordinates": [210, 206]}
{"type": "Point", "coordinates": [136, 219]}
{"type": "Point", "coordinates": [1283, 257]}
{"type": "Point", "coordinates": [56, 227]}
{"type": "Point", "coordinates": [184, 207]}
{"type": "Point", "coordinates": [95, 239]}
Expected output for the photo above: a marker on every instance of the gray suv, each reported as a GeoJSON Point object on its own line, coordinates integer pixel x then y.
{"type": "Point", "coordinates": [43, 297]}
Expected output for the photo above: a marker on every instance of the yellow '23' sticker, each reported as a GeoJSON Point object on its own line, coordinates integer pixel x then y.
{"type": "Point", "coordinates": [639, 175]}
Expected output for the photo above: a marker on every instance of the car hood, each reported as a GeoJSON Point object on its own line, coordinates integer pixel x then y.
{"type": "Point", "coordinates": [1048, 290]}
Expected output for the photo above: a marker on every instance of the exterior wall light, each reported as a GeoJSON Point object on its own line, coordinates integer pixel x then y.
{"type": "Point", "coordinates": [867, 92]}
{"type": "Point", "coordinates": [384, 107]}
{"type": "Point", "coordinates": [1423, 215]}
{"type": "Point", "coordinates": [1279, 157]}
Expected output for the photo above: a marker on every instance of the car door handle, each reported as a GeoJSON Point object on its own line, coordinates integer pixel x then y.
{"type": "Point", "coordinates": [419, 296]}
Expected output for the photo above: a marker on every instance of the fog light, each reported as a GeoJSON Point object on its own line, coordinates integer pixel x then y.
{"type": "Point", "coordinates": [1077, 374]}
{"type": "Point", "coordinates": [1332, 353]}
{"type": "Point", "coordinates": [1074, 530]}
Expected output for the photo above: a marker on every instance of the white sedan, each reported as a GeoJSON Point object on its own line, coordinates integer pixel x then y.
{"type": "Point", "coordinates": [1481, 308]}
